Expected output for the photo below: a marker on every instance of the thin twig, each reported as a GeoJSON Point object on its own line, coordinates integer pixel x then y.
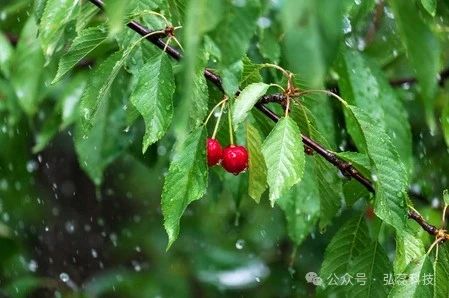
{"type": "Point", "coordinates": [346, 168]}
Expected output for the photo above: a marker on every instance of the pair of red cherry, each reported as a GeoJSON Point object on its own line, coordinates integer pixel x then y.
{"type": "Point", "coordinates": [234, 159]}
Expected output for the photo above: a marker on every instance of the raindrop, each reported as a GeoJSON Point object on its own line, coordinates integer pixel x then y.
{"type": "Point", "coordinates": [136, 266]}
{"type": "Point", "coordinates": [347, 28]}
{"type": "Point", "coordinates": [94, 253]}
{"type": "Point", "coordinates": [32, 266]}
{"type": "Point", "coordinates": [3, 184]}
{"type": "Point", "coordinates": [240, 244]}
{"type": "Point", "coordinates": [435, 203]}
{"type": "Point", "coordinates": [31, 166]}
{"type": "Point", "coordinates": [64, 277]}
{"type": "Point", "coordinates": [70, 227]}
{"type": "Point", "coordinates": [361, 44]}
{"type": "Point", "coordinates": [406, 86]}
{"type": "Point", "coordinates": [264, 22]}
{"type": "Point", "coordinates": [388, 12]}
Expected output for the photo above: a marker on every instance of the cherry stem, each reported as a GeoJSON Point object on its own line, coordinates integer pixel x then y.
{"type": "Point", "coordinates": [330, 93]}
{"type": "Point", "coordinates": [144, 37]}
{"type": "Point", "coordinates": [167, 23]}
{"type": "Point", "coordinates": [177, 42]}
{"type": "Point", "coordinates": [443, 220]}
{"type": "Point", "coordinates": [231, 135]}
{"type": "Point", "coordinates": [167, 43]}
{"type": "Point", "coordinates": [433, 245]}
{"type": "Point", "coordinates": [218, 120]}
{"type": "Point", "coordinates": [287, 106]}
{"type": "Point", "coordinates": [278, 86]}
{"type": "Point", "coordinates": [284, 72]}
{"type": "Point", "coordinates": [213, 109]}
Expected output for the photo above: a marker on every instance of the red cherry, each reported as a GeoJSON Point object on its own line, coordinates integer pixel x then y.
{"type": "Point", "coordinates": [214, 152]}
{"type": "Point", "coordinates": [235, 159]}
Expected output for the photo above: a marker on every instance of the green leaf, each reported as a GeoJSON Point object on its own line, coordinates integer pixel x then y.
{"type": "Point", "coordinates": [284, 156]}
{"type": "Point", "coordinates": [38, 8]}
{"type": "Point", "coordinates": [70, 100]}
{"type": "Point", "coordinates": [251, 73]}
{"type": "Point", "coordinates": [360, 161]}
{"type": "Point", "coordinates": [246, 101]}
{"type": "Point", "coordinates": [198, 99]}
{"type": "Point", "coordinates": [177, 10]}
{"type": "Point", "coordinates": [409, 247]}
{"type": "Point", "coordinates": [6, 53]}
{"type": "Point", "coordinates": [186, 181]}
{"type": "Point", "coordinates": [373, 263]}
{"type": "Point", "coordinates": [153, 97]}
{"type": "Point", "coordinates": [328, 183]}
{"type": "Point", "coordinates": [441, 272]}
{"type": "Point", "coordinates": [116, 11]}
{"type": "Point", "coordinates": [330, 188]}
{"type": "Point", "coordinates": [234, 33]}
{"type": "Point", "coordinates": [423, 50]}
{"type": "Point", "coordinates": [445, 123]}
{"type": "Point", "coordinates": [97, 91]}
{"type": "Point", "coordinates": [28, 59]}
{"type": "Point", "coordinates": [269, 45]}
{"type": "Point", "coordinates": [56, 15]}
{"type": "Point", "coordinates": [87, 40]}
{"type": "Point", "coordinates": [64, 114]}
{"type": "Point", "coordinates": [430, 6]}
{"type": "Point", "coordinates": [201, 17]}
{"type": "Point", "coordinates": [301, 207]}
{"type": "Point", "coordinates": [389, 174]}
{"type": "Point", "coordinates": [414, 286]}
{"type": "Point", "coordinates": [364, 85]}
{"type": "Point", "coordinates": [350, 240]}
{"type": "Point", "coordinates": [257, 170]}
{"type": "Point", "coordinates": [108, 136]}
{"type": "Point", "coordinates": [87, 12]}
{"type": "Point", "coordinates": [230, 77]}
{"type": "Point", "coordinates": [314, 29]}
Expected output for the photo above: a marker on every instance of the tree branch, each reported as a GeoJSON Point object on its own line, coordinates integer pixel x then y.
{"type": "Point", "coordinates": [346, 168]}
